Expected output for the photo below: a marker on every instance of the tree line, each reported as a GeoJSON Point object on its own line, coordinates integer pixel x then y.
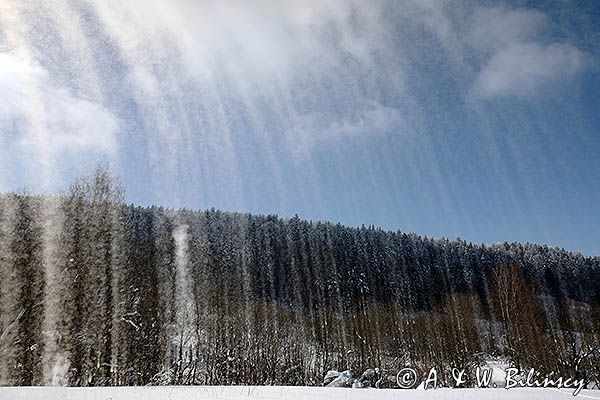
{"type": "Point", "coordinates": [97, 292]}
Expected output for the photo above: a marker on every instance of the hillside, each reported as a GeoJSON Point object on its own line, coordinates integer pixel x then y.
{"type": "Point", "coordinates": [95, 292]}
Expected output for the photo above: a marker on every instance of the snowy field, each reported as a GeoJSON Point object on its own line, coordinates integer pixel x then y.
{"type": "Point", "coordinates": [279, 393]}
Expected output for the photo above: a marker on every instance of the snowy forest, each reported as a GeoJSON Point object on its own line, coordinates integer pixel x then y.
{"type": "Point", "coordinates": [97, 292]}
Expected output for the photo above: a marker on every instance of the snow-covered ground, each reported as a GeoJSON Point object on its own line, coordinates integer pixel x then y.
{"type": "Point", "coordinates": [280, 393]}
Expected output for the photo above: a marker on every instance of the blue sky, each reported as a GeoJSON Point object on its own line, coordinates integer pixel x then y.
{"type": "Point", "coordinates": [463, 119]}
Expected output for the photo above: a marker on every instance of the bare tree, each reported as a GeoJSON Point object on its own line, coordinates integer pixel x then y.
{"type": "Point", "coordinates": [519, 311]}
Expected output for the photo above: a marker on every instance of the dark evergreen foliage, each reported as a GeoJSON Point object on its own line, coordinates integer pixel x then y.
{"type": "Point", "coordinates": [94, 292]}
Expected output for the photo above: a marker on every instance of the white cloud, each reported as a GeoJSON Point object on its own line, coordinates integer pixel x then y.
{"type": "Point", "coordinates": [375, 118]}
{"type": "Point", "coordinates": [496, 28]}
{"type": "Point", "coordinates": [523, 69]}
{"type": "Point", "coordinates": [253, 40]}
{"type": "Point", "coordinates": [518, 61]}
{"type": "Point", "coordinates": [369, 120]}
{"type": "Point", "coordinates": [47, 121]}
{"type": "Point", "coordinates": [75, 125]}
{"type": "Point", "coordinates": [278, 60]}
